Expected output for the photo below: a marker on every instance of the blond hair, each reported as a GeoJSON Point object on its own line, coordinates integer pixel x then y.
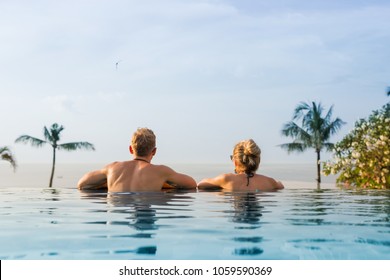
{"type": "Point", "coordinates": [143, 142]}
{"type": "Point", "coordinates": [247, 154]}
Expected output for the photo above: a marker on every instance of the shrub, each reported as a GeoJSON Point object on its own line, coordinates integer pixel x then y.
{"type": "Point", "coordinates": [362, 158]}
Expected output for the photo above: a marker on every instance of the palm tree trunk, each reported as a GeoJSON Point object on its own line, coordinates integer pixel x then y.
{"type": "Point", "coordinates": [318, 166]}
{"type": "Point", "coordinates": [52, 168]}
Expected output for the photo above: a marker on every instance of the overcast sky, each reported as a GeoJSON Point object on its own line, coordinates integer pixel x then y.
{"type": "Point", "coordinates": [203, 74]}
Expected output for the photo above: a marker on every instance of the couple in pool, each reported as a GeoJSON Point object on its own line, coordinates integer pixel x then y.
{"type": "Point", "coordinates": [140, 175]}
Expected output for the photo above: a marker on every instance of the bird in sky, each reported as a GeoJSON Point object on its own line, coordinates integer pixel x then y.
{"type": "Point", "coordinates": [116, 64]}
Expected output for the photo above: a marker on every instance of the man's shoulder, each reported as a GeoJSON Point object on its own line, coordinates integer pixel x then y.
{"type": "Point", "coordinates": [117, 164]}
{"type": "Point", "coordinates": [161, 167]}
{"type": "Point", "coordinates": [113, 163]}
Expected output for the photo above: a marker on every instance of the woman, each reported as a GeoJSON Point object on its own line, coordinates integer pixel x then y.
{"type": "Point", "coordinates": [246, 159]}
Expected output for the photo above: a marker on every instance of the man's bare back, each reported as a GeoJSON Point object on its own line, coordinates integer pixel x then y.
{"type": "Point", "coordinates": [137, 174]}
{"type": "Point", "coordinates": [133, 176]}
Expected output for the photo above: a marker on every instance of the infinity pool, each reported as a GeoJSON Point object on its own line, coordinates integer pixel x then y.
{"type": "Point", "coordinates": [299, 223]}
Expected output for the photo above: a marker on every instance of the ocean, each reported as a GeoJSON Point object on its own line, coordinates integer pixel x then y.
{"type": "Point", "coordinates": [67, 175]}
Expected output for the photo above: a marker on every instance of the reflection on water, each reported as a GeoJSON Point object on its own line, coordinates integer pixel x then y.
{"type": "Point", "coordinates": [340, 213]}
{"type": "Point", "coordinates": [65, 223]}
{"type": "Point", "coordinates": [246, 212]}
{"type": "Point", "coordinates": [142, 213]}
{"type": "Point", "coordinates": [247, 208]}
{"type": "Point", "coordinates": [139, 211]}
{"type": "Point", "coordinates": [151, 250]}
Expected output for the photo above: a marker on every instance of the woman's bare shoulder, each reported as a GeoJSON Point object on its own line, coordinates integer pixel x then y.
{"type": "Point", "coordinates": [270, 181]}
{"type": "Point", "coordinates": [218, 181]}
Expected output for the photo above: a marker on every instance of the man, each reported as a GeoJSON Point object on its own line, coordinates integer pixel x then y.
{"type": "Point", "coordinates": [137, 174]}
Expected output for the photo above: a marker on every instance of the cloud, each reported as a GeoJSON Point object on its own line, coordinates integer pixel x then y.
{"type": "Point", "coordinates": [188, 43]}
{"type": "Point", "coordinates": [203, 65]}
{"type": "Point", "coordinates": [61, 103]}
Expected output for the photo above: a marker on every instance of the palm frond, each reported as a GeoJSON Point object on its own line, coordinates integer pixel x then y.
{"type": "Point", "coordinates": [55, 131]}
{"type": "Point", "coordinates": [313, 121]}
{"type": "Point", "coordinates": [291, 129]}
{"type": "Point", "coordinates": [10, 159]}
{"type": "Point", "coordinates": [332, 128]}
{"type": "Point", "coordinates": [328, 146]}
{"type": "Point", "coordinates": [300, 109]}
{"type": "Point", "coordinates": [6, 154]}
{"type": "Point", "coordinates": [4, 150]}
{"type": "Point", "coordinates": [35, 142]}
{"type": "Point", "coordinates": [328, 115]}
{"type": "Point", "coordinates": [47, 135]}
{"type": "Point", "coordinates": [293, 147]}
{"type": "Point", "coordinates": [76, 146]}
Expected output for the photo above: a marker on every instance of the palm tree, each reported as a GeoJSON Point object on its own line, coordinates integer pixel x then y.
{"type": "Point", "coordinates": [52, 137]}
{"type": "Point", "coordinates": [314, 132]}
{"type": "Point", "coordinates": [6, 154]}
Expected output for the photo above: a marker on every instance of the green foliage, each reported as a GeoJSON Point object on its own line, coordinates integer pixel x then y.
{"type": "Point", "coordinates": [362, 158]}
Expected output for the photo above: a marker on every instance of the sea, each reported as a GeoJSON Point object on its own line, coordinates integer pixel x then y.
{"type": "Point", "coordinates": [67, 175]}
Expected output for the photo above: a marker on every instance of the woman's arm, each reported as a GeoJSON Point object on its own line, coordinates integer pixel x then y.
{"type": "Point", "coordinates": [279, 185]}
{"type": "Point", "coordinates": [212, 183]}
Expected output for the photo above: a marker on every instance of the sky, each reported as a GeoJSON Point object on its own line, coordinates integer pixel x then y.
{"type": "Point", "coordinates": [202, 74]}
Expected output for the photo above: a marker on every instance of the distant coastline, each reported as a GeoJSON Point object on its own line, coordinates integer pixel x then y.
{"type": "Point", "coordinates": [67, 174]}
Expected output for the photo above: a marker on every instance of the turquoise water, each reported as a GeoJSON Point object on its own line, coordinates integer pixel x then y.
{"type": "Point", "coordinates": [296, 223]}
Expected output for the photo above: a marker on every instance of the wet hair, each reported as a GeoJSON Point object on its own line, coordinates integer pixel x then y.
{"type": "Point", "coordinates": [247, 153]}
{"type": "Point", "coordinates": [143, 142]}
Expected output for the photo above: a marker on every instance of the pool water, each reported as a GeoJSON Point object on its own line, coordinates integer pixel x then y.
{"type": "Point", "coordinates": [298, 223]}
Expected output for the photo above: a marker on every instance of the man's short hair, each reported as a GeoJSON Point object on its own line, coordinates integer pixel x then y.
{"type": "Point", "coordinates": [143, 142]}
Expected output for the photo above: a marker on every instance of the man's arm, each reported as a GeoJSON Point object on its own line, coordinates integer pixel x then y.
{"type": "Point", "coordinates": [93, 180]}
{"type": "Point", "coordinates": [179, 180]}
